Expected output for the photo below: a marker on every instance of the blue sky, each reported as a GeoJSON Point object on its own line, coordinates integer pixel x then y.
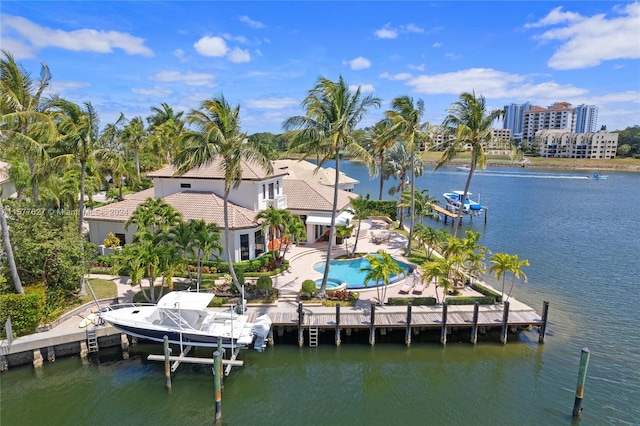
{"type": "Point", "coordinates": [129, 56]}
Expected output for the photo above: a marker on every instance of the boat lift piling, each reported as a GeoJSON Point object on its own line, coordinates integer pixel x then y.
{"type": "Point", "coordinates": [217, 381]}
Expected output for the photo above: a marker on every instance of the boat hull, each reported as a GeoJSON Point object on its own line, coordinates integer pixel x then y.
{"type": "Point", "coordinates": [174, 337]}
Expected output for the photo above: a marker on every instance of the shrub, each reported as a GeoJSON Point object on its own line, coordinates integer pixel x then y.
{"type": "Point", "coordinates": [415, 301]}
{"type": "Point", "coordinates": [470, 300]}
{"type": "Point", "coordinates": [111, 241]}
{"type": "Point", "coordinates": [25, 310]}
{"type": "Point", "coordinates": [264, 283]}
{"type": "Point", "coordinates": [309, 286]}
{"type": "Point", "coordinates": [487, 292]}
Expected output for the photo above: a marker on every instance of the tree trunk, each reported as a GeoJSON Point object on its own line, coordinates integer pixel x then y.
{"type": "Point", "coordinates": [227, 243]}
{"type": "Point", "coordinates": [83, 171]}
{"type": "Point", "coordinates": [355, 245]}
{"type": "Point", "coordinates": [456, 223]}
{"type": "Point", "coordinates": [137, 155]}
{"type": "Point", "coordinates": [34, 182]}
{"type": "Point", "coordinates": [381, 175]}
{"type": "Point", "coordinates": [9, 251]}
{"type": "Point", "coordinates": [413, 198]}
{"type": "Point", "coordinates": [325, 276]}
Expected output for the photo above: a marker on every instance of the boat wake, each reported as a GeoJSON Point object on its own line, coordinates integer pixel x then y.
{"type": "Point", "coordinates": [524, 175]}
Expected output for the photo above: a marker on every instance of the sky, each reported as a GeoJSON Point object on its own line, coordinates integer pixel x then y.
{"type": "Point", "coordinates": [127, 57]}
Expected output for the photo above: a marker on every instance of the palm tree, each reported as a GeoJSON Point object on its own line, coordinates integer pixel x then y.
{"type": "Point", "coordinates": [182, 236]}
{"type": "Point", "coordinates": [469, 120]}
{"type": "Point", "coordinates": [216, 135]}
{"type": "Point", "coordinates": [398, 165]}
{"type": "Point", "coordinates": [381, 268]}
{"type": "Point", "coordinates": [406, 121]}
{"type": "Point", "coordinates": [8, 250]}
{"type": "Point", "coordinates": [25, 125]}
{"type": "Point", "coordinates": [166, 127]}
{"type": "Point", "coordinates": [438, 269]}
{"type": "Point", "coordinates": [332, 112]}
{"type": "Point", "coordinates": [503, 263]}
{"type": "Point", "coordinates": [380, 141]}
{"type": "Point", "coordinates": [344, 232]}
{"type": "Point", "coordinates": [79, 130]}
{"type": "Point", "coordinates": [273, 221]}
{"type": "Point", "coordinates": [295, 231]}
{"type": "Point", "coordinates": [205, 244]}
{"type": "Point", "coordinates": [359, 208]}
{"type": "Point", "coordinates": [134, 136]}
{"type": "Point", "coordinates": [153, 215]}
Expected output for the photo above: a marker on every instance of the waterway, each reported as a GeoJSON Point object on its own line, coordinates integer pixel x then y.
{"type": "Point", "coordinates": [582, 239]}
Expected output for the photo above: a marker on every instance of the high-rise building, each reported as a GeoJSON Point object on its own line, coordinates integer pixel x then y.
{"type": "Point", "coordinates": [558, 116]}
{"type": "Point", "coordinates": [514, 119]}
{"type": "Point", "coordinates": [586, 118]}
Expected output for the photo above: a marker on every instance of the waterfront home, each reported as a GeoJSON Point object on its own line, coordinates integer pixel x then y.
{"type": "Point", "coordinates": [198, 194]}
{"type": "Point", "coordinates": [305, 170]}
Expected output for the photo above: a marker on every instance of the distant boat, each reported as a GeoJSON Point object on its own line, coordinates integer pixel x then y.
{"type": "Point", "coordinates": [185, 318]}
{"type": "Point", "coordinates": [597, 176]}
{"type": "Point", "coordinates": [464, 168]}
{"type": "Point", "coordinates": [454, 199]}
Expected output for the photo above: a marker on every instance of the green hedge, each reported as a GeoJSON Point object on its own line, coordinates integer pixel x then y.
{"type": "Point", "coordinates": [487, 292]}
{"type": "Point", "coordinates": [387, 208]}
{"type": "Point", "coordinates": [415, 301]}
{"type": "Point", "coordinates": [470, 300]}
{"type": "Point", "coordinates": [25, 310]}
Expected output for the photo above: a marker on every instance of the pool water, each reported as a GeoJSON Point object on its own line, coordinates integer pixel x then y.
{"type": "Point", "coordinates": [347, 271]}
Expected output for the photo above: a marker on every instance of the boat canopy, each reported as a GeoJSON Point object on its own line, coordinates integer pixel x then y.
{"type": "Point", "coordinates": [461, 193]}
{"type": "Point", "coordinates": [185, 300]}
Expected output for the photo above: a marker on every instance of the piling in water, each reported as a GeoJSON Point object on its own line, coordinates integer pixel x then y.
{"type": "Point", "coordinates": [167, 362]}
{"type": "Point", "coordinates": [474, 328]}
{"type": "Point", "coordinates": [407, 338]}
{"type": "Point", "coordinates": [543, 327]}
{"type": "Point", "coordinates": [582, 376]}
{"type": "Point", "coordinates": [443, 331]}
{"type": "Point", "coordinates": [217, 377]}
{"type": "Point", "coordinates": [337, 324]}
{"type": "Point", "coordinates": [505, 322]}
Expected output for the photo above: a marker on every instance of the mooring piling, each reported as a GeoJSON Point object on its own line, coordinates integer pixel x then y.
{"type": "Point", "coordinates": [217, 380]}
{"type": "Point", "coordinates": [582, 376]}
{"type": "Point", "coordinates": [443, 331]}
{"type": "Point", "coordinates": [543, 327]}
{"type": "Point", "coordinates": [505, 322]}
{"type": "Point", "coordinates": [372, 326]}
{"type": "Point", "coordinates": [167, 362]}
{"type": "Point", "coordinates": [300, 320]}
{"type": "Point", "coordinates": [407, 338]}
{"type": "Point", "coordinates": [474, 328]}
{"type": "Point", "coordinates": [337, 324]}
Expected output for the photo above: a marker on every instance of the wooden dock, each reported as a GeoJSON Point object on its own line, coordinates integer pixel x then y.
{"type": "Point", "coordinates": [443, 317]}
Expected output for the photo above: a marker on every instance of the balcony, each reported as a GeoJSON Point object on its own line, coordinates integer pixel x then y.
{"type": "Point", "coordinates": [278, 202]}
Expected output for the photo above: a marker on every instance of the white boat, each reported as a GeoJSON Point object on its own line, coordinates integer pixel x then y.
{"type": "Point", "coordinates": [185, 319]}
{"type": "Point", "coordinates": [464, 168]}
{"type": "Point", "coordinates": [597, 176]}
{"type": "Point", "coordinates": [454, 199]}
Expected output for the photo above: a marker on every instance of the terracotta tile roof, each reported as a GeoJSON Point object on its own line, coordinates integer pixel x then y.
{"type": "Point", "coordinates": [304, 170]}
{"type": "Point", "coordinates": [192, 205]}
{"type": "Point", "coordinates": [304, 195]}
{"type": "Point", "coordinates": [214, 170]}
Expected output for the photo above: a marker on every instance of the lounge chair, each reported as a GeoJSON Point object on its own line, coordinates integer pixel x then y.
{"type": "Point", "coordinates": [406, 287]}
{"type": "Point", "coordinates": [419, 288]}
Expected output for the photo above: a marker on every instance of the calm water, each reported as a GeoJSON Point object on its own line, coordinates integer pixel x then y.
{"type": "Point", "coordinates": [583, 241]}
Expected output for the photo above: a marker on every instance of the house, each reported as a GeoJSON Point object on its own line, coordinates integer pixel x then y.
{"type": "Point", "coordinates": [6, 185]}
{"type": "Point", "coordinates": [305, 170]}
{"type": "Point", "coordinates": [198, 194]}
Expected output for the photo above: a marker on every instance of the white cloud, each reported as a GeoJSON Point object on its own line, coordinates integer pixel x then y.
{"type": "Point", "coordinates": [189, 78]}
{"type": "Point", "coordinates": [250, 22]}
{"type": "Point", "coordinates": [359, 63]}
{"type": "Point", "coordinates": [211, 46]}
{"type": "Point", "coordinates": [386, 32]}
{"type": "Point", "coordinates": [230, 37]}
{"type": "Point", "coordinates": [179, 53]}
{"type": "Point", "coordinates": [238, 56]}
{"type": "Point", "coordinates": [78, 40]}
{"type": "Point", "coordinates": [588, 41]}
{"type": "Point", "coordinates": [452, 56]}
{"type": "Point", "coordinates": [416, 67]}
{"type": "Point", "coordinates": [395, 77]}
{"type": "Point", "coordinates": [18, 49]}
{"type": "Point", "coordinates": [436, 45]}
{"type": "Point", "coordinates": [155, 91]}
{"type": "Point", "coordinates": [364, 88]}
{"type": "Point", "coordinates": [493, 84]}
{"type": "Point", "coordinates": [411, 28]}
{"type": "Point", "coordinates": [271, 103]}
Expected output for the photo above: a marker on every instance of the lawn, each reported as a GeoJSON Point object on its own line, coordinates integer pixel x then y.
{"type": "Point", "coordinates": [104, 289]}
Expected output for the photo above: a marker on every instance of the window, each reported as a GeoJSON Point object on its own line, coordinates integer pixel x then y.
{"type": "Point", "coordinates": [277, 187]}
{"type": "Point", "coordinates": [244, 247]}
{"type": "Point", "coordinates": [122, 239]}
{"type": "Point", "coordinates": [271, 196]}
{"type": "Point", "coordinates": [259, 240]}
{"type": "Point", "coordinates": [185, 185]}
{"type": "Point", "coordinates": [264, 191]}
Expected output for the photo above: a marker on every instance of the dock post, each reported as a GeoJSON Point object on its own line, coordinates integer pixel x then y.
{"type": "Point", "coordinates": [300, 321]}
{"type": "Point", "coordinates": [124, 344]}
{"type": "Point", "coordinates": [474, 329]}
{"type": "Point", "coordinates": [505, 322]}
{"type": "Point", "coordinates": [51, 354]}
{"type": "Point", "coordinates": [443, 332]}
{"type": "Point", "coordinates": [37, 358]}
{"type": "Point", "coordinates": [372, 327]}
{"type": "Point", "coordinates": [407, 336]}
{"type": "Point", "coordinates": [221, 350]}
{"type": "Point", "coordinates": [582, 375]}
{"type": "Point", "coordinates": [167, 362]}
{"type": "Point", "coordinates": [217, 378]}
{"type": "Point", "coordinates": [338, 324]}
{"type": "Point", "coordinates": [485, 215]}
{"type": "Point", "coordinates": [545, 315]}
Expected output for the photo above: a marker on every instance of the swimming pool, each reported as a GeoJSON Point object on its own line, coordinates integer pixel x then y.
{"type": "Point", "coordinates": [332, 283]}
{"type": "Point", "coordinates": [346, 271]}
